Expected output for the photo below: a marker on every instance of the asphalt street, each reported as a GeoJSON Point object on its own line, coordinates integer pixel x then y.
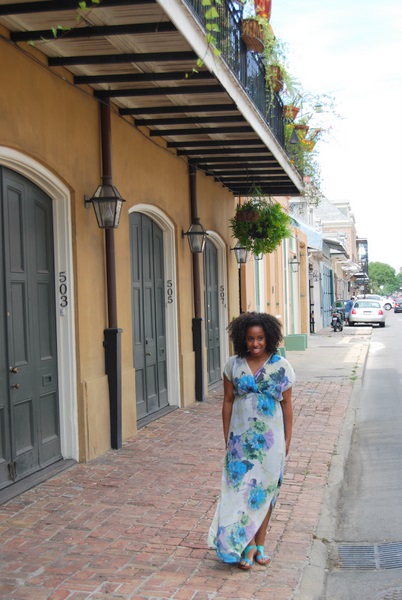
{"type": "Point", "coordinates": [359, 536]}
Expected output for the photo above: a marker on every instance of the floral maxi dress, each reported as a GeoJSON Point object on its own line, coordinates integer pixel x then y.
{"type": "Point", "coordinates": [255, 456]}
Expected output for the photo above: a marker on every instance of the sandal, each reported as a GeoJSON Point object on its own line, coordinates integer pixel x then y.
{"type": "Point", "coordinates": [245, 563]}
{"type": "Point", "coordinates": [260, 557]}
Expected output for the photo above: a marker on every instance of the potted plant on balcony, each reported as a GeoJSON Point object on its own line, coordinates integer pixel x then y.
{"type": "Point", "coordinates": [277, 75]}
{"type": "Point", "coordinates": [268, 227]}
{"type": "Point", "coordinates": [290, 111]}
{"type": "Point", "coordinates": [263, 8]}
{"type": "Point", "coordinates": [252, 34]}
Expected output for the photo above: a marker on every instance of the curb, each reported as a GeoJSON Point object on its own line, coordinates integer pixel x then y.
{"type": "Point", "coordinates": [312, 583]}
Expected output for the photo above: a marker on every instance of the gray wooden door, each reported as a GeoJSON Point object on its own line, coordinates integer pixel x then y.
{"type": "Point", "coordinates": [29, 407]}
{"type": "Point", "coordinates": [212, 313]}
{"type": "Point", "coordinates": [148, 307]}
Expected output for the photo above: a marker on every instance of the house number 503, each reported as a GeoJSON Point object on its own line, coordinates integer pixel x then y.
{"type": "Point", "coordinates": [63, 289]}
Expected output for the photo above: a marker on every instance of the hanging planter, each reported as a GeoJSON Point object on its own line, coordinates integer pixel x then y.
{"type": "Point", "coordinates": [246, 213]}
{"type": "Point", "coordinates": [252, 35]}
{"type": "Point", "coordinates": [263, 8]}
{"type": "Point", "coordinates": [290, 111]}
{"type": "Point", "coordinates": [301, 130]}
{"type": "Point", "coordinates": [264, 233]}
{"type": "Point", "coordinates": [308, 145]}
{"type": "Point", "coordinates": [314, 133]}
{"type": "Point", "coordinates": [275, 76]}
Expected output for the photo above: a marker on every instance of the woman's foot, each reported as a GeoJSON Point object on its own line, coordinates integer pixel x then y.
{"type": "Point", "coordinates": [260, 557]}
{"type": "Point", "coordinates": [247, 557]}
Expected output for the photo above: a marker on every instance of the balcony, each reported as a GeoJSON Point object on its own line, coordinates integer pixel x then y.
{"type": "Point", "coordinates": [247, 66]}
{"type": "Point", "coordinates": [138, 55]}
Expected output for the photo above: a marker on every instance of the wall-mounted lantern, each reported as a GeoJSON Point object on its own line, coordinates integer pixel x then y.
{"type": "Point", "coordinates": [241, 254]}
{"type": "Point", "coordinates": [196, 236]}
{"type": "Point", "coordinates": [294, 264]}
{"type": "Point", "coordinates": [107, 203]}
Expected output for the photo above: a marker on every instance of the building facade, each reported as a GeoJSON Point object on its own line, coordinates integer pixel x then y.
{"type": "Point", "coordinates": [69, 121]}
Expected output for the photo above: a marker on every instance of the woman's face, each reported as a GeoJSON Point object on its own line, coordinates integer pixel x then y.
{"type": "Point", "coordinates": [255, 341]}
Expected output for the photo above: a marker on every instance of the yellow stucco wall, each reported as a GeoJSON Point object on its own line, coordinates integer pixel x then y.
{"type": "Point", "coordinates": [47, 118]}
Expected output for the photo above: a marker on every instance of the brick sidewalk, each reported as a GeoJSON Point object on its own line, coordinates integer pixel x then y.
{"type": "Point", "coordinates": [133, 524]}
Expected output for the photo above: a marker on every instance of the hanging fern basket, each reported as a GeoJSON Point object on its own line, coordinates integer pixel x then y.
{"type": "Point", "coordinates": [266, 231]}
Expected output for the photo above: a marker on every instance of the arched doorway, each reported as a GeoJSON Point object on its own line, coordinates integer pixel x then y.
{"type": "Point", "coordinates": [48, 183]}
{"type": "Point", "coordinates": [212, 331]}
{"type": "Point", "coordinates": [29, 390]}
{"type": "Point", "coordinates": [216, 319]}
{"type": "Point", "coordinates": [154, 312]}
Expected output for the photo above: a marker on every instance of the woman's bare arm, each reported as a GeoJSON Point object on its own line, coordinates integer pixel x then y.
{"type": "Point", "coordinates": [287, 411]}
{"type": "Point", "coordinates": [228, 397]}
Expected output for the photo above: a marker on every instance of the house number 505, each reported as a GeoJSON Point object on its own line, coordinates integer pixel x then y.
{"type": "Point", "coordinates": [169, 291]}
{"type": "Point", "coordinates": [63, 289]}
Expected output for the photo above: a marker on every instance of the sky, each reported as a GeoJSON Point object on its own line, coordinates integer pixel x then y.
{"type": "Point", "coordinates": [352, 49]}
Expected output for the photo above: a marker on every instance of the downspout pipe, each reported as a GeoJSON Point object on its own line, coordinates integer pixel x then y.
{"type": "Point", "coordinates": [197, 321]}
{"type": "Point", "coordinates": [112, 334]}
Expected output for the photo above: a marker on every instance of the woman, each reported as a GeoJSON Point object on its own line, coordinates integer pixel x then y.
{"type": "Point", "coordinates": [257, 427]}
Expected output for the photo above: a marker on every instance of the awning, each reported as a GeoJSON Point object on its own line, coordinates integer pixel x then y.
{"type": "Point", "coordinates": [314, 237]}
{"type": "Point", "coordinates": [336, 246]}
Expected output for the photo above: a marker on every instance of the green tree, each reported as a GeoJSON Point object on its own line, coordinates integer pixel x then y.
{"type": "Point", "coordinates": [384, 275]}
{"type": "Point", "coordinates": [399, 278]}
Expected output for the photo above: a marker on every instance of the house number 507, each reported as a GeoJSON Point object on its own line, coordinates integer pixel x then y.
{"type": "Point", "coordinates": [63, 289]}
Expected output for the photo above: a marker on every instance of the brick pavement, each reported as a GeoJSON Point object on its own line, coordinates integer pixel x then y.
{"type": "Point", "coordinates": [133, 524]}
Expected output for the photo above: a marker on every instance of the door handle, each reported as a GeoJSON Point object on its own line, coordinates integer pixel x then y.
{"type": "Point", "coordinates": [13, 370]}
{"type": "Point", "coordinates": [15, 386]}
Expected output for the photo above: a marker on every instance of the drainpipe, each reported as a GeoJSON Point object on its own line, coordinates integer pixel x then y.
{"type": "Point", "coordinates": [112, 335]}
{"type": "Point", "coordinates": [197, 320]}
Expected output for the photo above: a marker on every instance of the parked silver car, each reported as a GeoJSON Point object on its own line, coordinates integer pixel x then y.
{"type": "Point", "coordinates": [367, 311]}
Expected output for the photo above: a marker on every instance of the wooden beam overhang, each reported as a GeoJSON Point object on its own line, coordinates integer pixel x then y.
{"type": "Point", "coordinates": [60, 5]}
{"type": "Point", "coordinates": [138, 77]}
{"type": "Point", "coordinates": [184, 108]}
{"type": "Point", "coordinates": [115, 59]}
{"type": "Point", "coordinates": [141, 63]}
{"type": "Point", "coordinates": [160, 91]}
{"type": "Point", "coordinates": [91, 32]}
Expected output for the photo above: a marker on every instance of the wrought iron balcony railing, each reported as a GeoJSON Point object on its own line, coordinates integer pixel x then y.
{"type": "Point", "coordinates": [247, 66]}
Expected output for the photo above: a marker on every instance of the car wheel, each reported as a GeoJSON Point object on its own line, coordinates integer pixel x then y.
{"type": "Point", "coordinates": [381, 324]}
{"type": "Point", "coordinates": [388, 306]}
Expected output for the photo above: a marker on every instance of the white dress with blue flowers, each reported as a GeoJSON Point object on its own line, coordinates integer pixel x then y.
{"type": "Point", "coordinates": [254, 462]}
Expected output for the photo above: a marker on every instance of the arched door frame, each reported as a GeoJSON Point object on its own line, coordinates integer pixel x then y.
{"type": "Point", "coordinates": [172, 340]}
{"type": "Point", "coordinates": [65, 317]}
{"type": "Point", "coordinates": [220, 245]}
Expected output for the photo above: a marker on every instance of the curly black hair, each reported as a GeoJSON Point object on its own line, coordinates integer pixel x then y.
{"type": "Point", "coordinates": [270, 324]}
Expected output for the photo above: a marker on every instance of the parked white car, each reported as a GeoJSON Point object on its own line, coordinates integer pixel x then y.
{"type": "Point", "coordinates": [367, 310]}
{"type": "Point", "coordinates": [389, 303]}
{"type": "Point", "coordinates": [386, 303]}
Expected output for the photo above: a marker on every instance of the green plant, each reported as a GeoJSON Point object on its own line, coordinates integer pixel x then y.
{"type": "Point", "coordinates": [304, 157]}
{"type": "Point", "coordinates": [265, 232]}
{"type": "Point", "coordinates": [277, 75]}
{"type": "Point", "coordinates": [58, 31]}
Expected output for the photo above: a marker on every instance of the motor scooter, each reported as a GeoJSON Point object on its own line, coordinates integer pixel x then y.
{"type": "Point", "coordinates": [338, 318]}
